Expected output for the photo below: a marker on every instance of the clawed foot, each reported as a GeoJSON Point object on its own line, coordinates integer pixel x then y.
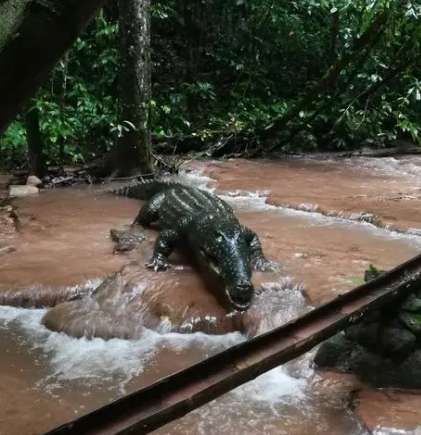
{"type": "Point", "coordinates": [157, 263]}
{"type": "Point", "coordinates": [262, 264]}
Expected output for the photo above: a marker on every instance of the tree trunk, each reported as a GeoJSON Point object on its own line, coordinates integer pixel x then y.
{"type": "Point", "coordinates": [62, 103]}
{"type": "Point", "coordinates": [34, 34]}
{"type": "Point", "coordinates": [334, 36]}
{"type": "Point", "coordinates": [133, 148]}
{"type": "Point", "coordinates": [34, 140]}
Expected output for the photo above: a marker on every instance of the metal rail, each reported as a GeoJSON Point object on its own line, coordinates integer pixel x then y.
{"type": "Point", "coordinates": [172, 397]}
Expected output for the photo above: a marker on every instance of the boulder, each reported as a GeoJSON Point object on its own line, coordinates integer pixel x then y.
{"type": "Point", "coordinates": [23, 190]}
{"type": "Point", "coordinates": [412, 321]}
{"type": "Point", "coordinates": [33, 180]}
{"type": "Point", "coordinates": [373, 369]}
{"type": "Point", "coordinates": [412, 304]}
{"type": "Point", "coordinates": [335, 353]}
{"type": "Point", "coordinates": [384, 340]}
{"type": "Point", "coordinates": [383, 350]}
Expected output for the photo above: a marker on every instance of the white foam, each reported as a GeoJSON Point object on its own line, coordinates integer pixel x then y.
{"type": "Point", "coordinates": [107, 360]}
{"type": "Point", "coordinates": [71, 358]}
{"type": "Point", "coordinates": [402, 167]}
{"type": "Point", "coordinates": [195, 177]}
{"type": "Point", "coordinates": [272, 397]}
{"type": "Point", "coordinates": [279, 302]}
{"type": "Point", "coordinates": [273, 387]}
{"type": "Point", "coordinates": [393, 431]}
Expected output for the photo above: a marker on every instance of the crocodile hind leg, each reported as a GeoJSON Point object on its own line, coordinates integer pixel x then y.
{"type": "Point", "coordinates": [164, 246]}
{"type": "Point", "coordinates": [258, 259]}
{"type": "Point", "coordinates": [148, 213]}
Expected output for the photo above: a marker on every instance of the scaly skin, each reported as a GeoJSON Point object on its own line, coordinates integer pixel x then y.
{"type": "Point", "coordinates": [204, 222]}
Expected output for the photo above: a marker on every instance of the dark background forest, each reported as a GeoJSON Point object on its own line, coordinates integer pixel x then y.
{"type": "Point", "coordinates": [266, 75]}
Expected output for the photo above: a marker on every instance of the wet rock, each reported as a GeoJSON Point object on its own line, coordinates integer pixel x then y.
{"type": "Point", "coordinates": [125, 240]}
{"type": "Point", "coordinates": [387, 372]}
{"type": "Point", "coordinates": [22, 190]}
{"type": "Point", "coordinates": [137, 298]}
{"type": "Point", "coordinates": [377, 370]}
{"type": "Point", "coordinates": [366, 335]}
{"type": "Point", "coordinates": [385, 340]}
{"type": "Point", "coordinates": [33, 180]}
{"type": "Point", "coordinates": [38, 296]}
{"type": "Point", "coordinates": [86, 319]}
{"type": "Point", "coordinates": [412, 321]}
{"type": "Point", "coordinates": [335, 353]}
{"type": "Point", "coordinates": [397, 341]}
{"type": "Point", "coordinates": [412, 304]}
{"type": "Point", "coordinates": [383, 350]}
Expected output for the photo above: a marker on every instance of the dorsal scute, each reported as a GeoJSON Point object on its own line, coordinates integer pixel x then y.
{"type": "Point", "coordinates": [145, 189]}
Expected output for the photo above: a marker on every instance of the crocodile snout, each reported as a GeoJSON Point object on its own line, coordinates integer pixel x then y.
{"type": "Point", "coordinates": [240, 295]}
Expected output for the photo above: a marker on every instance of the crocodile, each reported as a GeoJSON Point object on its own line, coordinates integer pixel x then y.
{"type": "Point", "coordinates": [194, 218]}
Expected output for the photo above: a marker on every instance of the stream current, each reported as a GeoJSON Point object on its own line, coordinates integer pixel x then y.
{"type": "Point", "coordinates": [48, 378]}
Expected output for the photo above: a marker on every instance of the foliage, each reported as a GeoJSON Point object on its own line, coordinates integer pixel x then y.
{"type": "Point", "coordinates": [77, 104]}
{"type": "Point", "coordinates": [233, 67]}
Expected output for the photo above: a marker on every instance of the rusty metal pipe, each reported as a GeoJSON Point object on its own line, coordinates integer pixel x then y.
{"type": "Point", "coordinates": [172, 397]}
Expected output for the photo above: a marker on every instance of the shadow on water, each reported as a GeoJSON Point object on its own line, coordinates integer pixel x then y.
{"type": "Point", "coordinates": [48, 377]}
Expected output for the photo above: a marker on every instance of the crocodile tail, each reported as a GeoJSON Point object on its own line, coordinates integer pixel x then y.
{"type": "Point", "coordinates": [144, 189]}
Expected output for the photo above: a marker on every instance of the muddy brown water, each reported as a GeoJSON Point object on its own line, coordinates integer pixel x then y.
{"type": "Point", "coordinates": [48, 378]}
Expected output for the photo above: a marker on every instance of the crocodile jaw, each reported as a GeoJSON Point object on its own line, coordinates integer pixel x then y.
{"type": "Point", "coordinates": [239, 306]}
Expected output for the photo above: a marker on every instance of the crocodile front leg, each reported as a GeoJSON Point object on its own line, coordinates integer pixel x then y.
{"type": "Point", "coordinates": [164, 245]}
{"type": "Point", "coordinates": [258, 259]}
{"type": "Point", "coordinates": [149, 211]}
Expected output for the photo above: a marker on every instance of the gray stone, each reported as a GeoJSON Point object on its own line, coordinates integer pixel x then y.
{"type": "Point", "coordinates": [411, 304]}
{"type": "Point", "coordinates": [366, 335]}
{"type": "Point", "coordinates": [20, 191]}
{"type": "Point", "coordinates": [384, 340]}
{"type": "Point", "coordinates": [383, 372]}
{"type": "Point", "coordinates": [334, 353]}
{"type": "Point", "coordinates": [397, 340]}
{"type": "Point", "coordinates": [376, 370]}
{"type": "Point", "coordinates": [411, 320]}
{"type": "Point", "coordinates": [33, 180]}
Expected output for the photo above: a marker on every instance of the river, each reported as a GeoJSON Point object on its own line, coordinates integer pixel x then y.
{"type": "Point", "coordinates": [313, 217]}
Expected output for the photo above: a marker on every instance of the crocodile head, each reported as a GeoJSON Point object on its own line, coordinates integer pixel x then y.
{"type": "Point", "coordinates": [222, 251]}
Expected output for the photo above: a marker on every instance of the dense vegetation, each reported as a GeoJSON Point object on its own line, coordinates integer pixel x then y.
{"type": "Point", "coordinates": [279, 75]}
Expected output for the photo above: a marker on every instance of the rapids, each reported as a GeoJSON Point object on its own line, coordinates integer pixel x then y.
{"type": "Point", "coordinates": [299, 210]}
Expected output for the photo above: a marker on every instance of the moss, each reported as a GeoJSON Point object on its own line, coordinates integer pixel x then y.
{"type": "Point", "coordinates": [412, 304]}
{"type": "Point", "coordinates": [411, 320]}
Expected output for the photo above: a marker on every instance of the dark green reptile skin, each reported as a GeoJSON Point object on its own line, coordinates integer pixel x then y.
{"type": "Point", "coordinates": [208, 225]}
